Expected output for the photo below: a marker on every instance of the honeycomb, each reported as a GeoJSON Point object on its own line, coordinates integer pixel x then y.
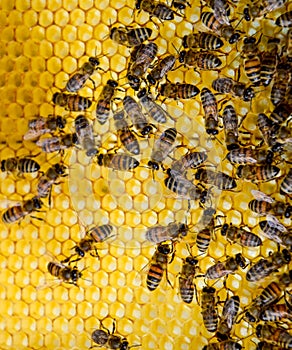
{"type": "Point", "coordinates": [42, 44]}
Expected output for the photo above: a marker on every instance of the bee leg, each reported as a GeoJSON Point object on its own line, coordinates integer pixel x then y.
{"type": "Point", "coordinates": [168, 281]}
{"type": "Point", "coordinates": [95, 253]}
{"type": "Point", "coordinates": [93, 83]}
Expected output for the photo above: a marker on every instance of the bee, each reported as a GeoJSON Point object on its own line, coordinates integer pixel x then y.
{"type": "Point", "coordinates": [208, 309]}
{"type": "Point", "coordinates": [201, 40]}
{"type": "Point", "coordinates": [87, 244]}
{"type": "Point", "coordinates": [257, 173]}
{"type": "Point", "coordinates": [222, 30]}
{"type": "Point", "coordinates": [288, 47]}
{"type": "Point", "coordinates": [284, 20]}
{"type": "Point", "coordinates": [22, 165]}
{"type": "Point", "coordinates": [265, 267]}
{"type": "Point", "coordinates": [163, 256]}
{"type": "Point", "coordinates": [143, 59]}
{"type": "Point", "coordinates": [197, 59]}
{"type": "Point", "coordinates": [64, 273]}
{"type": "Point", "coordinates": [126, 136]}
{"type": "Point", "coordinates": [156, 9]}
{"type": "Point", "coordinates": [262, 7]}
{"type": "Point", "coordinates": [190, 160]}
{"type": "Point", "coordinates": [136, 115]}
{"type": "Point", "coordinates": [276, 313]}
{"type": "Point", "coordinates": [71, 102]}
{"type": "Point", "coordinates": [78, 79]}
{"type": "Point", "coordinates": [160, 69]}
{"type": "Point", "coordinates": [178, 91]}
{"type": "Point", "coordinates": [241, 236]}
{"type": "Point", "coordinates": [206, 227]}
{"type": "Point", "coordinates": [218, 179]}
{"type": "Point", "coordinates": [227, 320]}
{"type": "Point", "coordinates": [186, 279]}
{"type": "Point", "coordinates": [262, 345]}
{"type": "Point", "coordinates": [236, 89]}
{"type": "Point", "coordinates": [276, 231]}
{"type": "Point", "coordinates": [230, 123]}
{"type": "Point", "coordinates": [154, 110]}
{"type": "Point", "coordinates": [251, 60]}
{"type": "Point", "coordinates": [130, 36]}
{"type": "Point", "coordinates": [248, 155]}
{"type": "Point", "coordinates": [180, 4]}
{"type": "Point", "coordinates": [281, 113]}
{"type": "Point", "coordinates": [172, 231]}
{"type": "Point", "coordinates": [117, 161]}
{"type": "Point", "coordinates": [286, 184]}
{"type": "Point", "coordinates": [225, 345]}
{"type": "Point", "coordinates": [267, 129]}
{"type": "Point", "coordinates": [84, 132]}
{"type": "Point", "coordinates": [162, 147]}
{"type": "Point", "coordinates": [269, 61]}
{"type": "Point", "coordinates": [281, 81]}
{"type": "Point", "coordinates": [209, 104]}
{"type": "Point", "coordinates": [229, 266]}
{"type": "Point", "coordinates": [40, 126]}
{"type": "Point", "coordinates": [221, 10]}
{"type": "Point", "coordinates": [19, 211]}
{"type": "Point", "coordinates": [274, 335]}
{"type": "Point", "coordinates": [105, 98]}
{"type": "Point", "coordinates": [57, 144]}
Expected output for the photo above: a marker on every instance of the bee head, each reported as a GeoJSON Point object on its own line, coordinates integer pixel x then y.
{"type": "Point", "coordinates": [224, 229]}
{"type": "Point", "coordinates": [181, 56]}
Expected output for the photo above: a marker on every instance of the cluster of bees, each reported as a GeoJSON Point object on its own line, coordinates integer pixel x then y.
{"type": "Point", "coordinates": [190, 177]}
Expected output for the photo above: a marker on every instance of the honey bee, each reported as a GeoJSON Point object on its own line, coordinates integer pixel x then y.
{"type": "Point", "coordinates": [288, 47]}
{"type": "Point", "coordinates": [284, 20]}
{"type": "Point", "coordinates": [206, 227]}
{"type": "Point", "coordinates": [230, 123]}
{"type": "Point", "coordinates": [79, 78]}
{"type": "Point", "coordinates": [281, 81]}
{"type": "Point", "coordinates": [172, 231]}
{"type": "Point", "coordinates": [286, 184]}
{"type": "Point", "coordinates": [236, 89]}
{"type": "Point", "coordinates": [225, 345]}
{"type": "Point", "coordinates": [262, 7]}
{"type": "Point", "coordinates": [130, 36]}
{"type": "Point", "coordinates": [265, 267]}
{"type": "Point", "coordinates": [162, 147]}
{"type": "Point", "coordinates": [275, 135]}
{"type": "Point", "coordinates": [208, 309]}
{"type": "Point", "coordinates": [227, 320]}
{"type": "Point", "coordinates": [222, 30]}
{"type": "Point", "coordinates": [180, 4]}
{"type": "Point", "coordinates": [276, 313]}
{"type": "Point", "coordinates": [262, 345]}
{"type": "Point", "coordinates": [117, 161]}
{"type": "Point", "coordinates": [19, 211]}
{"type": "Point", "coordinates": [156, 9]}
{"type": "Point", "coordinates": [218, 179]}
{"type": "Point", "coordinates": [209, 104]}
{"type": "Point", "coordinates": [87, 244]}
{"type": "Point", "coordinates": [57, 144]}
{"type": "Point", "coordinates": [251, 60]}
{"type": "Point", "coordinates": [201, 60]}
{"type": "Point", "coordinates": [64, 273]}
{"type": "Point", "coordinates": [178, 91]}
{"type": "Point", "coordinates": [257, 173]}
{"type": "Point", "coordinates": [84, 132]}
{"type": "Point", "coordinates": [186, 279]}
{"type": "Point", "coordinates": [105, 98]}
{"type": "Point", "coordinates": [163, 256]}
{"type": "Point", "coordinates": [248, 155]}
{"type": "Point", "coordinates": [71, 102]}
{"type": "Point", "coordinates": [267, 129]}
{"type": "Point", "coordinates": [22, 165]}
{"type": "Point", "coordinates": [126, 136]}
{"type": "Point", "coordinates": [274, 335]}
{"type": "Point", "coordinates": [281, 113]}
{"type": "Point", "coordinates": [229, 266]}
{"type": "Point", "coordinates": [40, 126]}
{"type": "Point", "coordinates": [221, 10]}
{"type": "Point", "coordinates": [269, 61]}
{"type": "Point", "coordinates": [190, 160]}
{"type": "Point", "coordinates": [241, 236]}
{"type": "Point", "coordinates": [161, 68]}
{"type": "Point", "coordinates": [201, 40]}
{"type": "Point", "coordinates": [136, 115]}
{"type": "Point", "coordinates": [276, 231]}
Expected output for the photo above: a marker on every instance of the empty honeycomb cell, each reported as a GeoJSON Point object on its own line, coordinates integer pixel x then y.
{"type": "Point", "coordinates": [93, 17]}
{"type": "Point", "coordinates": [77, 18]}
{"type": "Point", "coordinates": [46, 49]}
{"type": "Point", "coordinates": [21, 309]}
{"type": "Point", "coordinates": [54, 65]}
{"type": "Point", "coordinates": [54, 33]}
{"type": "Point", "coordinates": [52, 311]}
{"type": "Point", "coordinates": [76, 325]}
{"type": "Point", "coordinates": [22, 33]}
{"type": "Point", "coordinates": [7, 247]}
{"type": "Point", "coordinates": [20, 339]}
{"type": "Point", "coordinates": [61, 49]}
{"type": "Point", "coordinates": [117, 279]}
{"type": "Point", "coordinates": [10, 95]}
{"type": "Point", "coordinates": [84, 309]}
{"type": "Point", "coordinates": [14, 263]}
{"type": "Point", "coordinates": [28, 294]}
{"type": "Point", "coordinates": [60, 325]}
{"type": "Point", "coordinates": [22, 278]}
{"type": "Point", "coordinates": [61, 18]}
{"type": "Point", "coordinates": [52, 340]}
{"type": "Point", "coordinates": [46, 18]}
{"type": "Point", "coordinates": [69, 33]}
{"type": "Point", "coordinates": [38, 64]}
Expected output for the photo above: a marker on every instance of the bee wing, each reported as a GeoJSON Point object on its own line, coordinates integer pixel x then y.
{"type": "Point", "coordinates": [274, 222]}
{"type": "Point", "coordinates": [220, 12]}
{"type": "Point", "coordinates": [262, 196]}
{"type": "Point", "coordinates": [157, 234]}
{"type": "Point", "coordinates": [47, 140]}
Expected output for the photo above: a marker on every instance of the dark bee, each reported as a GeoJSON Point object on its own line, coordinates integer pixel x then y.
{"type": "Point", "coordinates": [276, 313]}
{"type": "Point", "coordinates": [230, 123]}
{"type": "Point", "coordinates": [84, 132]}
{"type": "Point", "coordinates": [236, 89]}
{"type": "Point", "coordinates": [205, 41]}
{"type": "Point", "coordinates": [186, 279]}
{"type": "Point", "coordinates": [137, 116]}
{"type": "Point", "coordinates": [227, 320]}
{"type": "Point", "coordinates": [161, 68]}
{"type": "Point", "coordinates": [40, 126]}
{"type": "Point", "coordinates": [19, 211]}
{"type": "Point", "coordinates": [209, 104]}
{"type": "Point", "coordinates": [57, 144]}
{"type": "Point", "coordinates": [286, 184]}
{"type": "Point", "coordinates": [218, 179]}
{"type": "Point", "coordinates": [163, 256]}
{"type": "Point", "coordinates": [241, 236]}
{"type": "Point", "coordinates": [162, 147]}
{"type": "Point", "coordinates": [64, 273]}
{"type": "Point", "coordinates": [126, 136]}
{"type": "Point", "coordinates": [269, 61]}
{"type": "Point", "coordinates": [269, 131]}
{"type": "Point", "coordinates": [264, 205]}
{"type": "Point", "coordinates": [78, 79]}
{"type": "Point", "coordinates": [263, 345]}
{"type": "Point", "coordinates": [229, 266]}
{"type": "Point", "coordinates": [281, 113]}
{"type": "Point", "coordinates": [265, 267]}
{"type": "Point", "coordinates": [206, 228]}
{"type": "Point", "coordinates": [262, 7]}
{"type": "Point", "coordinates": [156, 9]}
{"type": "Point", "coordinates": [281, 81]}
{"type": "Point", "coordinates": [190, 160]}
{"type": "Point", "coordinates": [275, 231]}
{"type": "Point", "coordinates": [74, 103]}
{"type": "Point", "coordinates": [208, 309]}
{"type": "Point", "coordinates": [222, 30]}
{"type": "Point", "coordinates": [22, 165]}
{"type": "Point", "coordinates": [201, 60]}
{"type": "Point", "coordinates": [251, 60]}
{"type": "Point", "coordinates": [117, 161]}
{"type": "Point", "coordinates": [178, 91]}
{"type": "Point", "coordinates": [248, 155]}
{"type": "Point", "coordinates": [274, 335]}
{"type": "Point", "coordinates": [284, 20]}
{"type": "Point", "coordinates": [130, 36]}
{"type": "Point", "coordinates": [257, 173]}
{"type": "Point", "coordinates": [288, 47]}
{"type": "Point", "coordinates": [225, 345]}
{"type": "Point", "coordinates": [172, 231]}
{"type": "Point", "coordinates": [104, 101]}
